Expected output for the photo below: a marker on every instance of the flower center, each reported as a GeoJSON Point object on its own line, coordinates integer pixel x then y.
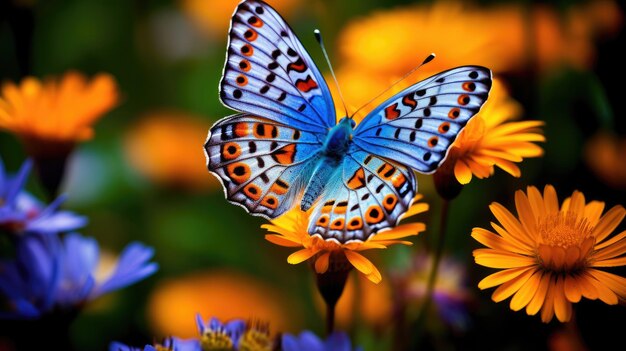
{"type": "Point", "coordinates": [216, 340]}
{"type": "Point", "coordinates": [255, 340]}
{"type": "Point", "coordinates": [565, 242]}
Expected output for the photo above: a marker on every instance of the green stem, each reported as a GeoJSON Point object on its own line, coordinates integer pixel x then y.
{"type": "Point", "coordinates": [432, 277]}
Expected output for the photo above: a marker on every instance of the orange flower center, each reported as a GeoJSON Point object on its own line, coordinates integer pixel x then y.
{"type": "Point", "coordinates": [565, 242]}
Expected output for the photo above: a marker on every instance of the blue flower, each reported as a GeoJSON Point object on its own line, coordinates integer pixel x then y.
{"type": "Point", "coordinates": [307, 341]}
{"type": "Point", "coordinates": [21, 213]}
{"type": "Point", "coordinates": [51, 273]}
{"type": "Point", "coordinates": [173, 344]}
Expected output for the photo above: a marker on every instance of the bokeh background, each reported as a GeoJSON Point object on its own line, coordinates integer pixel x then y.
{"type": "Point", "coordinates": [143, 176]}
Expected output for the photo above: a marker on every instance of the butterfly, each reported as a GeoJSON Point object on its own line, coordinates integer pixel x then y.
{"type": "Point", "coordinates": [285, 147]}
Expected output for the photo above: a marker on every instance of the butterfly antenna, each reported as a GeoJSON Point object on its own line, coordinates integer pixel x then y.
{"type": "Point", "coordinates": [318, 37]}
{"type": "Point", "coordinates": [426, 60]}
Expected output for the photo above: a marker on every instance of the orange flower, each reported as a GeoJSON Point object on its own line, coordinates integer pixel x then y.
{"type": "Point", "coordinates": [551, 256]}
{"type": "Point", "coordinates": [492, 139]}
{"type": "Point", "coordinates": [290, 230]}
{"type": "Point", "coordinates": [213, 17]}
{"type": "Point", "coordinates": [394, 41]}
{"type": "Point", "coordinates": [164, 147]}
{"type": "Point", "coordinates": [223, 294]}
{"type": "Point", "coordinates": [56, 110]}
{"type": "Point", "coordinates": [605, 154]}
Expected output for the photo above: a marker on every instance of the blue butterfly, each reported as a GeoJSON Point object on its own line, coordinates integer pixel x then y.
{"type": "Point", "coordinates": [286, 147]}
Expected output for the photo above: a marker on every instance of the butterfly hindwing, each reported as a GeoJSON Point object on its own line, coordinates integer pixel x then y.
{"type": "Point", "coordinates": [261, 163]}
{"type": "Point", "coordinates": [417, 126]}
{"type": "Point", "coordinates": [369, 194]}
{"type": "Point", "coordinates": [269, 73]}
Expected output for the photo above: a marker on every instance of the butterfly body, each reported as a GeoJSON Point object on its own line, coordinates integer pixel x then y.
{"type": "Point", "coordinates": [286, 147]}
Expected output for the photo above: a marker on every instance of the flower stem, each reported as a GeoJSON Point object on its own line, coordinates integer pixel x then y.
{"type": "Point", "coordinates": [432, 277]}
{"type": "Point", "coordinates": [331, 283]}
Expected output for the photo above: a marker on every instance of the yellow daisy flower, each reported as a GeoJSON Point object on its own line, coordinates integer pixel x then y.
{"type": "Point", "coordinates": [61, 110]}
{"type": "Point", "coordinates": [290, 230]}
{"type": "Point", "coordinates": [551, 255]}
{"type": "Point", "coordinates": [493, 138]}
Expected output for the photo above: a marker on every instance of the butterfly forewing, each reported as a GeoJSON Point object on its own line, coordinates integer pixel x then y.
{"type": "Point", "coordinates": [261, 163]}
{"type": "Point", "coordinates": [269, 73]}
{"type": "Point", "coordinates": [369, 194]}
{"type": "Point", "coordinates": [417, 126]}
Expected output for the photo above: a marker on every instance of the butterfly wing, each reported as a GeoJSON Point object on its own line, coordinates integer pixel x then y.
{"type": "Point", "coordinates": [263, 165]}
{"type": "Point", "coordinates": [417, 126]}
{"type": "Point", "coordinates": [370, 194]}
{"type": "Point", "coordinates": [269, 73]}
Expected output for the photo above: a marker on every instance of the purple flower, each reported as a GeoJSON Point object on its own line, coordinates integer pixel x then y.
{"type": "Point", "coordinates": [50, 273]}
{"type": "Point", "coordinates": [173, 344]}
{"type": "Point", "coordinates": [307, 341]}
{"type": "Point", "coordinates": [21, 213]}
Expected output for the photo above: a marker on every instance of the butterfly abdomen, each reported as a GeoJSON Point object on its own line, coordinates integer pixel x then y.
{"type": "Point", "coordinates": [323, 173]}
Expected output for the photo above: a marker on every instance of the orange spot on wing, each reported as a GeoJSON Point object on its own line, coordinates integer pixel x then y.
{"type": "Point", "coordinates": [270, 201]}
{"type": "Point", "coordinates": [231, 151]}
{"type": "Point", "coordinates": [247, 50]}
{"type": "Point", "coordinates": [264, 131]}
{"type": "Point", "coordinates": [358, 179]}
{"type": "Point", "coordinates": [432, 142]}
{"type": "Point", "coordinates": [241, 80]}
{"type": "Point", "coordinates": [252, 191]}
{"type": "Point", "coordinates": [337, 224]}
{"type": "Point", "coordinates": [306, 85]}
{"type": "Point", "coordinates": [241, 129]}
{"type": "Point", "coordinates": [285, 155]}
{"type": "Point", "coordinates": [469, 86]}
{"type": "Point", "coordinates": [464, 99]}
{"type": "Point", "coordinates": [250, 35]}
{"type": "Point", "coordinates": [398, 180]}
{"type": "Point", "coordinates": [355, 223]}
{"type": "Point", "coordinates": [279, 187]}
{"type": "Point", "coordinates": [374, 214]}
{"type": "Point", "coordinates": [328, 205]}
{"type": "Point", "coordinates": [392, 112]}
{"type": "Point", "coordinates": [238, 172]}
{"type": "Point", "coordinates": [298, 66]}
{"type": "Point", "coordinates": [409, 101]}
{"type": "Point", "coordinates": [323, 220]}
{"type": "Point", "coordinates": [255, 21]}
{"type": "Point", "coordinates": [386, 170]}
{"type": "Point", "coordinates": [389, 202]}
{"type": "Point", "coordinates": [340, 207]}
{"type": "Point", "coordinates": [245, 65]}
{"type": "Point", "coordinates": [444, 127]}
{"type": "Point", "coordinates": [454, 113]}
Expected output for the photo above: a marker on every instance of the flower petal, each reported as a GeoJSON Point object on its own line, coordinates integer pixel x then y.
{"type": "Point", "coordinates": [321, 264]}
{"type": "Point", "coordinates": [523, 296]}
{"type": "Point", "coordinates": [282, 241]}
{"type": "Point", "coordinates": [562, 307]}
{"type": "Point", "coordinates": [501, 277]}
{"type": "Point", "coordinates": [538, 299]}
{"type": "Point", "coordinates": [359, 262]}
{"type": "Point", "coordinates": [512, 286]}
{"type": "Point", "coordinates": [501, 259]}
{"type": "Point", "coordinates": [608, 223]}
{"type": "Point", "coordinates": [301, 256]}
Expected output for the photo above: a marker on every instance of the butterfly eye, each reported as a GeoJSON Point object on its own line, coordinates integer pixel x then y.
{"type": "Point", "coordinates": [352, 123]}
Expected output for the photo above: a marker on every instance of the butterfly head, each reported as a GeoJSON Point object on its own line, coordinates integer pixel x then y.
{"type": "Point", "coordinates": [339, 137]}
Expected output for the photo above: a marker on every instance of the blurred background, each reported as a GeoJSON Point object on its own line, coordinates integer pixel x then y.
{"type": "Point", "coordinates": [143, 175]}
